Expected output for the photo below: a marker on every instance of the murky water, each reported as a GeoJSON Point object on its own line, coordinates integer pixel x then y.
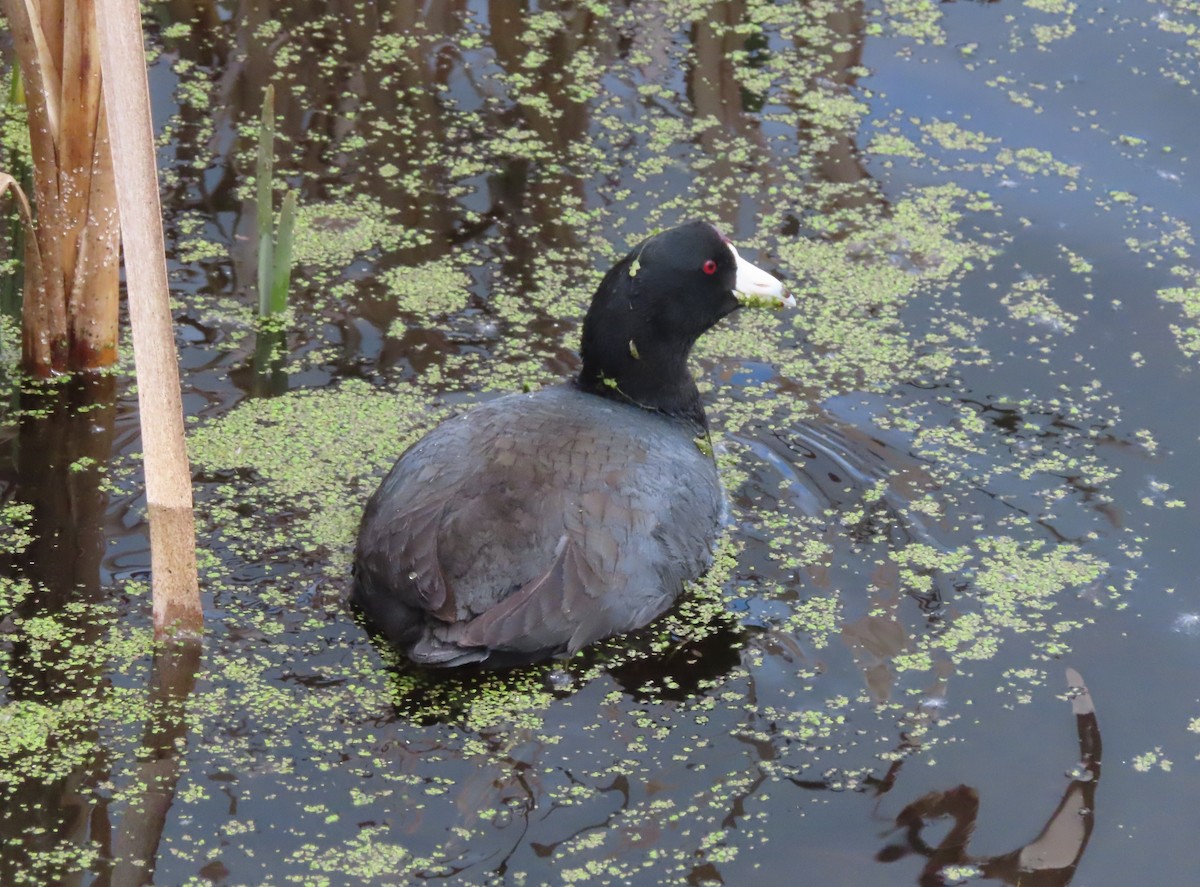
{"type": "Point", "coordinates": [961, 469]}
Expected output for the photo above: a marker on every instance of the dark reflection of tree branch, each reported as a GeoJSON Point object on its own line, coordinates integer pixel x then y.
{"type": "Point", "coordinates": [172, 680]}
{"type": "Point", "coordinates": [1050, 859]}
{"type": "Point", "coordinates": [716, 93]}
{"type": "Point", "coordinates": [63, 444]}
{"type": "Point", "coordinates": [836, 158]}
{"type": "Point", "coordinates": [530, 196]}
{"type": "Point", "coordinates": [841, 162]}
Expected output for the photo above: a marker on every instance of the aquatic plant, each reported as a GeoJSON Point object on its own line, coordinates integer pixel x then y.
{"type": "Point", "coordinates": [70, 306]}
{"type": "Point", "coordinates": [275, 236]}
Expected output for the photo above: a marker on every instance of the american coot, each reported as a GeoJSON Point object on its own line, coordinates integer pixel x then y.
{"type": "Point", "coordinates": [534, 524]}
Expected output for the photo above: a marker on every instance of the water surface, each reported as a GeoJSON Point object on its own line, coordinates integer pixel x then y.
{"type": "Point", "coordinates": [962, 468]}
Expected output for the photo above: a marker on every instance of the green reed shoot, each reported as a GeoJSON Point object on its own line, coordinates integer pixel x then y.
{"type": "Point", "coordinates": [274, 235]}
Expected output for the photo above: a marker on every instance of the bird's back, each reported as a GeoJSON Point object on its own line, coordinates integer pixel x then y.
{"type": "Point", "coordinates": [533, 524]}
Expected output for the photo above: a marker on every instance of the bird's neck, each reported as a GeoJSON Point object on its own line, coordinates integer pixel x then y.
{"type": "Point", "coordinates": [655, 378]}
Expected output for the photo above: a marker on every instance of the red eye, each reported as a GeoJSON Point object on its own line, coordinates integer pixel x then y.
{"type": "Point", "coordinates": [710, 267]}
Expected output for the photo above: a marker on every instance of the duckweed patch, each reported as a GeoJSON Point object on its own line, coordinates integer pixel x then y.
{"type": "Point", "coordinates": [329, 235]}
{"type": "Point", "coordinates": [65, 716]}
{"type": "Point", "coordinates": [1188, 335]}
{"type": "Point", "coordinates": [300, 467]}
{"type": "Point", "coordinates": [15, 521]}
{"type": "Point", "coordinates": [433, 289]}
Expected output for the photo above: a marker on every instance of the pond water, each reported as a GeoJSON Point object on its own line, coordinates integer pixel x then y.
{"type": "Point", "coordinates": [962, 546]}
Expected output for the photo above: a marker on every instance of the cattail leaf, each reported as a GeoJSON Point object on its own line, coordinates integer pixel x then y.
{"type": "Point", "coordinates": [266, 266]}
{"type": "Point", "coordinates": [264, 172]}
{"type": "Point", "coordinates": [282, 270]}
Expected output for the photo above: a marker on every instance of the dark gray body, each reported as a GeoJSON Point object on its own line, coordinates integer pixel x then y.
{"type": "Point", "coordinates": [533, 525]}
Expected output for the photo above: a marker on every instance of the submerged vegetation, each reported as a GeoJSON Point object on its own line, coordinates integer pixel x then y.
{"type": "Point", "coordinates": [935, 485]}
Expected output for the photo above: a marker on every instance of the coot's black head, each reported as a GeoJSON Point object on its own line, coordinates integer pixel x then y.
{"type": "Point", "coordinates": [653, 305]}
